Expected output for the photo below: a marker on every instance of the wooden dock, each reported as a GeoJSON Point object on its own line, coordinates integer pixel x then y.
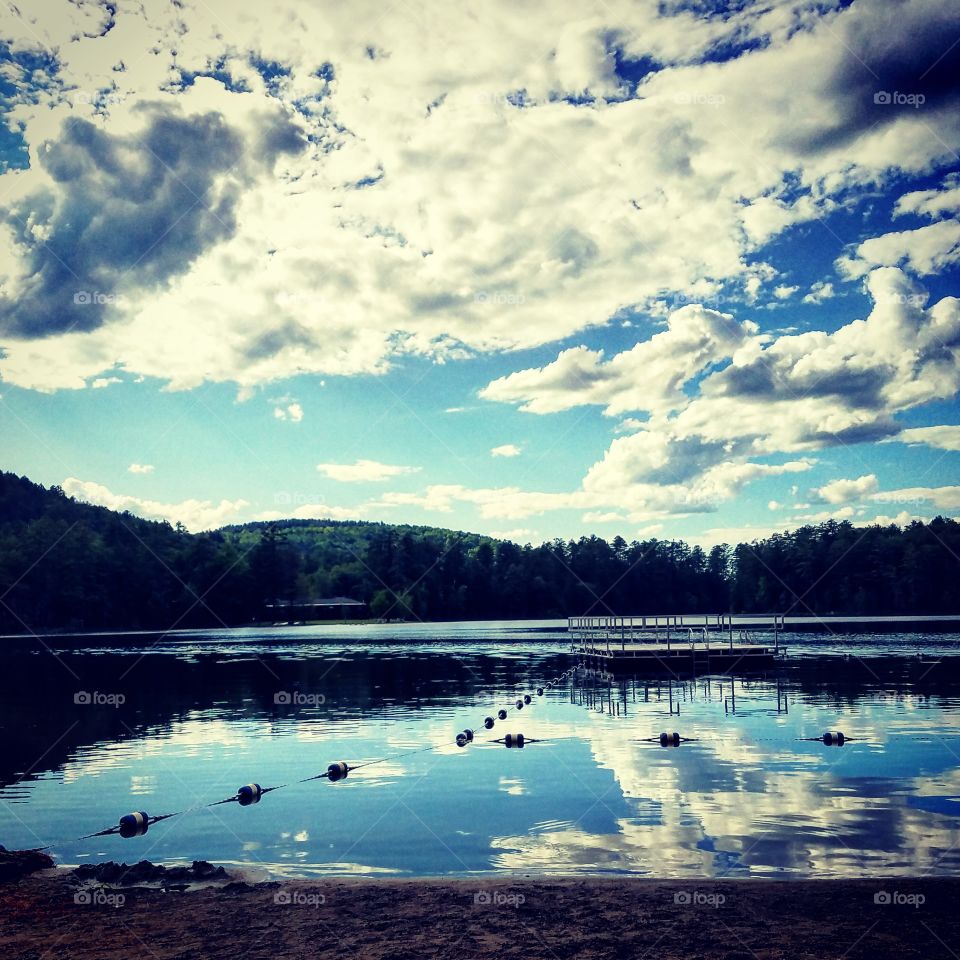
{"type": "Point", "coordinates": [675, 643]}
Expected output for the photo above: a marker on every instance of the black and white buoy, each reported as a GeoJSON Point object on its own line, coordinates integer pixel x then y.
{"type": "Point", "coordinates": [669, 739]}
{"type": "Point", "coordinates": [834, 738]}
{"type": "Point", "coordinates": [134, 824]}
{"type": "Point", "coordinates": [513, 740]}
{"type": "Point", "coordinates": [337, 771]}
{"type": "Point", "coordinates": [249, 793]}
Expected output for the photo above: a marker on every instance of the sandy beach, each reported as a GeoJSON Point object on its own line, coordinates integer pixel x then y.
{"type": "Point", "coordinates": [209, 914]}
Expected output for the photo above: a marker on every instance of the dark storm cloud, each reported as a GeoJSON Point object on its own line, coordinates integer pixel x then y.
{"type": "Point", "coordinates": [129, 212]}
{"type": "Point", "coordinates": [899, 57]}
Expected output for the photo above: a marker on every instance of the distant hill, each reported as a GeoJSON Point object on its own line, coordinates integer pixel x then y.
{"type": "Point", "coordinates": [66, 565]}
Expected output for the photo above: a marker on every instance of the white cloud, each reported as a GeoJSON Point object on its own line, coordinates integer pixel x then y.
{"type": "Point", "coordinates": [839, 513]}
{"type": "Point", "coordinates": [518, 535]}
{"type": "Point", "coordinates": [341, 257]}
{"type": "Point", "coordinates": [363, 471]}
{"type": "Point", "coordinates": [651, 530]}
{"type": "Point", "coordinates": [101, 383]}
{"type": "Point", "coordinates": [820, 291]}
{"type": "Point", "coordinates": [928, 249]}
{"type": "Point", "coordinates": [942, 498]}
{"type": "Point", "coordinates": [193, 514]}
{"type": "Point", "coordinates": [733, 535]}
{"type": "Point", "coordinates": [902, 519]}
{"type": "Point", "coordinates": [506, 450]}
{"type": "Point", "coordinates": [848, 491]}
{"type": "Point", "coordinates": [140, 468]}
{"type": "Point", "coordinates": [945, 437]}
{"type": "Point", "coordinates": [292, 411]}
{"type": "Point", "coordinates": [650, 376]}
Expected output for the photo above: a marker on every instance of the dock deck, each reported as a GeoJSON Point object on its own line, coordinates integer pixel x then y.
{"type": "Point", "coordinates": [676, 643]}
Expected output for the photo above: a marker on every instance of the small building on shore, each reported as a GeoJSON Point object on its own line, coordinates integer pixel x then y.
{"type": "Point", "coordinates": [331, 608]}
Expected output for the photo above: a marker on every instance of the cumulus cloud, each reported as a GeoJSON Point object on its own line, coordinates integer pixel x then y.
{"type": "Point", "coordinates": [757, 395]}
{"type": "Point", "coordinates": [290, 411]}
{"type": "Point", "coordinates": [193, 514]}
{"type": "Point", "coordinates": [847, 491]}
{"type": "Point", "coordinates": [140, 468]}
{"type": "Point", "coordinates": [942, 498]}
{"type": "Point", "coordinates": [945, 437]}
{"type": "Point", "coordinates": [819, 291]}
{"type": "Point", "coordinates": [122, 212]}
{"type": "Point", "coordinates": [651, 376]}
{"type": "Point", "coordinates": [506, 450]}
{"type": "Point", "coordinates": [363, 471]}
{"type": "Point", "coordinates": [342, 254]}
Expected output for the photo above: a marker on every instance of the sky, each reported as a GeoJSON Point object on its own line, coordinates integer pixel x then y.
{"type": "Point", "coordinates": [657, 269]}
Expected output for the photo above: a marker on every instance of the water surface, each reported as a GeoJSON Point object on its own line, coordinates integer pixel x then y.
{"type": "Point", "coordinates": [177, 721]}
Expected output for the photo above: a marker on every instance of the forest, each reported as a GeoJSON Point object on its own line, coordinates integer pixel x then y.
{"type": "Point", "coordinates": [66, 565]}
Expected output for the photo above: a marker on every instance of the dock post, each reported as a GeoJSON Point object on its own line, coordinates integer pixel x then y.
{"type": "Point", "coordinates": [730, 628]}
{"type": "Point", "coordinates": [776, 633]}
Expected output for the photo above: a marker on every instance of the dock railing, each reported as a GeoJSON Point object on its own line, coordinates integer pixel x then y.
{"type": "Point", "coordinates": [611, 631]}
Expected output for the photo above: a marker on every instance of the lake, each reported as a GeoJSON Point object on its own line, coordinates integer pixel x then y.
{"type": "Point", "coordinates": [95, 727]}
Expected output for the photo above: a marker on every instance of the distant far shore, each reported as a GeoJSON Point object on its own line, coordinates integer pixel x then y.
{"type": "Point", "coordinates": [490, 918]}
{"type": "Point", "coordinates": [894, 623]}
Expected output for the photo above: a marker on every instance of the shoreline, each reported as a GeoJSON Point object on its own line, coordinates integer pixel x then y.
{"type": "Point", "coordinates": [483, 917]}
{"type": "Point", "coordinates": [802, 624]}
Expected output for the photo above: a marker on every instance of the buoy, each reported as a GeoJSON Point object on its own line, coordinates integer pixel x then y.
{"type": "Point", "coordinates": [134, 824]}
{"type": "Point", "coordinates": [539, 691]}
{"type": "Point", "coordinates": [502, 714]}
{"type": "Point", "coordinates": [834, 738]}
{"type": "Point", "coordinates": [249, 793]}
{"type": "Point", "coordinates": [468, 734]}
{"type": "Point", "coordinates": [488, 722]}
{"type": "Point", "coordinates": [519, 704]}
{"type": "Point", "coordinates": [461, 740]}
{"type": "Point", "coordinates": [337, 771]}
{"type": "Point", "coordinates": [527, 698]}
{"type": "Point", "coordinates": [513, 740]}
{"type": "Point", "coordinates": [669, 739]}
{"type": "Point", "coordinates": [549, 686]}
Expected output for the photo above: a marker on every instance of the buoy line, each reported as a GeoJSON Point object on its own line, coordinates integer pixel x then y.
{"type": "Point", "coordinates": [137, 823]}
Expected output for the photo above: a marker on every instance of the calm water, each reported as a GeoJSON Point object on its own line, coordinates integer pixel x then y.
{"type": "Point", "coordinates": [748, 796]}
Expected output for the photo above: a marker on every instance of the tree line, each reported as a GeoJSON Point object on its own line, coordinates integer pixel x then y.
{"type": "Point", "coordinates": [66, 565]}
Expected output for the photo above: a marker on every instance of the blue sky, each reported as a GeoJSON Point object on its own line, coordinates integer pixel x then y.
{"type": "Point", "coordinates": [634, 269]}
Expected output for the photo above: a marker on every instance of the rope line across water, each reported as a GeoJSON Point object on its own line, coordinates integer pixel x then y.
{"type": "Point", "coordinates": [137, 823]}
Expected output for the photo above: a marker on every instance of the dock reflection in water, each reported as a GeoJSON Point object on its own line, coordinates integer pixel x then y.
{"type": "Point", "coordinates": [751, 791]}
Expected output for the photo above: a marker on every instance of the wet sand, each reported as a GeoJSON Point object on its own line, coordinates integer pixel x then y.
{"type": "Point", "coordinates": [55, 913]}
